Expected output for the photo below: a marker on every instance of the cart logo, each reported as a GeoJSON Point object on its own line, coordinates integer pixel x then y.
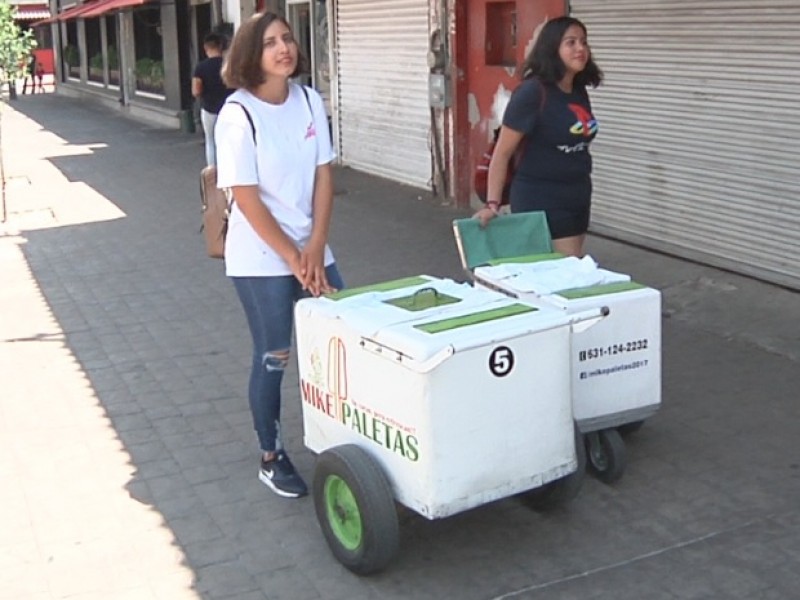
{"type": "Point", "coordinates": [328, 392]}
{"type": "Point", "coordinates": [337, 372]}
{"type": "Point", "coordinates": [501, 361]}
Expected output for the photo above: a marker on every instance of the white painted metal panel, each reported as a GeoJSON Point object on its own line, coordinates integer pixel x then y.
{"type": "Point", "coordinates": [371, 376]}
{"type": "Point", "coordinates": [699, 129]}
{"type": "Point", "coordinates": [383, 114]}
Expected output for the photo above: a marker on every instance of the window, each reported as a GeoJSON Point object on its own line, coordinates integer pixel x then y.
{"type": "Point", "coordinates": [70, 54]}
{"type": "Point", "coordinates": [149, 51]}
{"type": "Point", "coordinates": [112, 50]}
{"type": "Point", "coordinates": [94, 50]}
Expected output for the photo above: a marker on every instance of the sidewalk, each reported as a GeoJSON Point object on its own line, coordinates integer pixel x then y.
{"type": "Point", "coordinates": [126, 452]}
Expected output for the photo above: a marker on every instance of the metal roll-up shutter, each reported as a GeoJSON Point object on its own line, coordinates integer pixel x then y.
{"type": "Point", "coordinates": [699, 138]}
{"type": "Point", "coordinates": [383, 112]}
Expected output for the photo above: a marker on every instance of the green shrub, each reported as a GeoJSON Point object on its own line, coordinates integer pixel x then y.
{"type": "Point", "coordinates": [150, 75]}
{"type": "Point", "coordinates": [15, 45]}
{"type": "Point", "coordinates": [71, 56]}
{"type": "Point", "coordinates": [113, 58]}
{"type": "Point", "coordinates": [144, 67]}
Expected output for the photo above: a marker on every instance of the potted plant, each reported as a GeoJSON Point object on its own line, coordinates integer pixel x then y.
{"type": "Point", "coordinates": [150, 75]}
{"type": "Point", "coordinates": [72, 59]}
{"type": "Point", "coordinates": [113, 64]}
{"type": "Point", "coordinates": [157, 76]}
{"type": "Point", "coordinates": [142, 71]}
{"type": "Point", "coordinates": [96, 67]}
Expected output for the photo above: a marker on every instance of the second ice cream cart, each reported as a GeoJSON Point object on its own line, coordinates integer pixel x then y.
{"type": "Point", "coordinates": [616, 365]}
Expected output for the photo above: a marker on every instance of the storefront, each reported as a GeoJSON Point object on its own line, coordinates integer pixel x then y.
{"type": "Point", "coordinates": [696, 154]}
{"type": "Point", "coordinates": [368, 60]}
{"type": "Point", "coordinates": [382, 119]}
{"type": "Point", "coordinates": [698, 145]}
{"type": "Point", "coordinates": [136, 55]}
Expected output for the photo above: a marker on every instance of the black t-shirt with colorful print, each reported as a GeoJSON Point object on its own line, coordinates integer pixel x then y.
{"type": "Point", "coordinates": [558, 129]}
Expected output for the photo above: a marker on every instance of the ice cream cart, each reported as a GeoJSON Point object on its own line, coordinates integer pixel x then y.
{"type": "Point", "coordinates": [435, 394]}
{"type": "Point", "coordinates": [615, 365]}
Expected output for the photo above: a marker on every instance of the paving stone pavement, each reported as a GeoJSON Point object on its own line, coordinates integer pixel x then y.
{"type": "Point", "coordinates": [127, 460]}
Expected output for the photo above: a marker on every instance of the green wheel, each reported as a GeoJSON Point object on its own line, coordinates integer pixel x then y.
{"type": "Point", "coordinates": [355, 509]}
{"type": "Point", "coordinates": [563, 490]}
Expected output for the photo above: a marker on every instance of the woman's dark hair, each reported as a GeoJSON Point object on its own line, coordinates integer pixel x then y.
{"type": "Point", "coordinates": [543, 61]}
{"type": "Point", "coordinates": [242, 66]}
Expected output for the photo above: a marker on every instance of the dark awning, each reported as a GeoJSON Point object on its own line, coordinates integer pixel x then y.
{"type": "Point", "coordinates": [77, 11]}
{"type": "Point", "coordinates": [91, 9]}
{"type": "Point", "coordinates": [105, 6]}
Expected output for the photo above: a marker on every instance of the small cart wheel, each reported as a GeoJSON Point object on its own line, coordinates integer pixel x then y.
{"type": "Point", "coordinates": [356, 510]}
{"type": "Point", "coordinates": [606, 453]}
{"type": "Point", "coordinates": [560, 491]}
{"type": "Point", "coordinates": [629, 428]}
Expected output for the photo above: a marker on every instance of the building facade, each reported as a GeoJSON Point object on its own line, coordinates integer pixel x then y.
{"type": "Point", "coordinates": [134, 55]}
{"type": "Point", "coordinates": [697, 140]}
{"type": "Point", "coordinates": [698, 135]}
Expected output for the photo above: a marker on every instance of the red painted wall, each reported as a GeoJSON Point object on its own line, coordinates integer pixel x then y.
{"type": "Point", "coordinates": [485, 47]}
{"type": "Point", "coordinates": [44, 56]}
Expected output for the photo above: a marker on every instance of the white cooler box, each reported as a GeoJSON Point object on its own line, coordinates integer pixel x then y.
{"type": "Point", "coordinates": [615, 364]}
{"type": "Point", "coordinates": [461, 394]}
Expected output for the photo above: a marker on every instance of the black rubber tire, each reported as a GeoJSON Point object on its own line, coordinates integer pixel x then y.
{"type": "Point", "coordinates": [560, 491]}
{"type": "Point", "coordinates": [629, 428]}
{"type": "Point", "coordinates": [380, 530]}
{"type": "Point", "coordinates": [608, 461]}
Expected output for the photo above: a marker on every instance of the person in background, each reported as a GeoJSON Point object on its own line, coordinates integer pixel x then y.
{"type": "Point", "coordinates": [549, 121]}
{"type": "Point", "coordinates": [274, 152]}
{"type": "Point", "coordinates": [30, 73]}
{"type": "Point", "coordinates": [40, 77]}
{"type": "Point", "coordinates": [208, 87]}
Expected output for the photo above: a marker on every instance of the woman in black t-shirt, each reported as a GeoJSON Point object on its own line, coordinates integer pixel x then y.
{"type": "Point", "coordinates": [549, 121]}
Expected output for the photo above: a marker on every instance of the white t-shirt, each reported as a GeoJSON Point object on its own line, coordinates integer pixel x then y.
{"type": "Point", "coordinates": [290, 143]}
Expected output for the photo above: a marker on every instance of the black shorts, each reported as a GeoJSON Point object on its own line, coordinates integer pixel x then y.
{"type": "Point", "coordinates": [567, 205]}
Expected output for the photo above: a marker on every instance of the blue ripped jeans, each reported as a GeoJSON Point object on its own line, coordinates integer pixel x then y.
{"type": "Point", "coordinates": [269, 307]}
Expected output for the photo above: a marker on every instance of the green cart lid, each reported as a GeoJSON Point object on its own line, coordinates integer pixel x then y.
{"type": "Point", "coordinates": [475, 318]}
{"type": "Point", "coordinates": [600, 290]}
{"type": "Point", "coordinates": [423, 299]}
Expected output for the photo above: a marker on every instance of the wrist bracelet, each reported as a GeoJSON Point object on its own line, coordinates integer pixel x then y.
{"type": "Point", "coordinates": [493, 206]}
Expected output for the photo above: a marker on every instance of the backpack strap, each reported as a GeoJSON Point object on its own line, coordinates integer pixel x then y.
{"type": "Point", "coordinates": [308, 100]}
{"type": "Point", "coordinates": [228, 191]}
{"type": "Point", "coordinates": [249, 118]}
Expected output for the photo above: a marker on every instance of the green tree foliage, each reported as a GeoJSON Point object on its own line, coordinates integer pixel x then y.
{"type": "Point", "coordinates": [15, 45]}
